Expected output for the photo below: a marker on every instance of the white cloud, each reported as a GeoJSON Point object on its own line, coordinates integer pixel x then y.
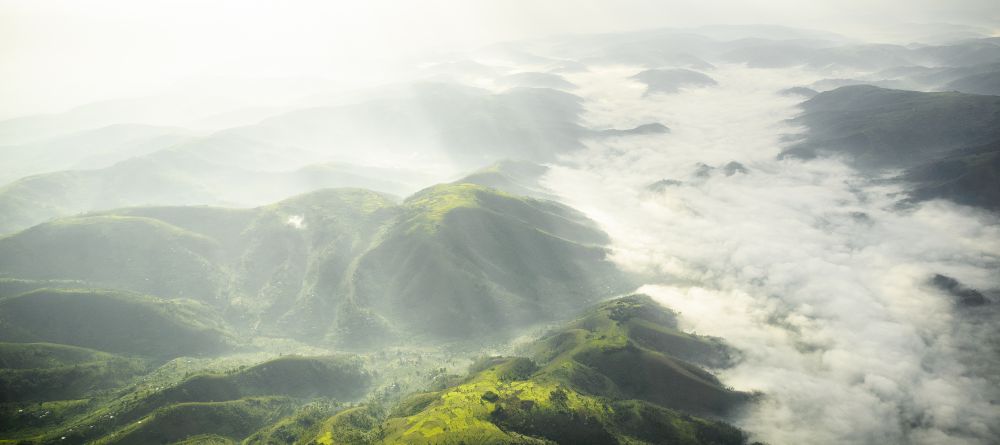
{"type": "Point", "coordinates": [806, 267]}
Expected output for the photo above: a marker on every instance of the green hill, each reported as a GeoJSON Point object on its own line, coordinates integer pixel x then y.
{"type": "Point", "coordinates": [113, 321]}
{"type": "Point", "coordinates": [513, 177]}
{"type": "Point", "coordinates": [337, 377]}
{"type": "Point", "coordinates": [251, 260]}
{"type": "Point", "coordinates": [881, 128]}
{"type": "Point", "coordinates": [43, 371]}
{"type": "Point", "coordinates": [298, 377]}
{"type": "Point", "coordinates": [281, 384]}
{"type": "Point", "coordinates": [209, 421]}
{"type": "Point", "coordinates": [620, 373]}
{"type": "Point", "coordinates": [610, 377]}
{"type": "Point", "coordinates": [11, 287]}
{"type": "Point", "coordinates": [630, 348]}
{"type": "Point", "coordinates": [948, 144]}
{"type": "Point", "coordinates": [139, 254]}
{"type": "Point", "coordinates": [466, 260]}
{"type": "Point", "coordinates": [46, 355]}
{"type": "Point", "coordinates": [297, 429]}
{"type": "Point", "coordinates": [351, 266]}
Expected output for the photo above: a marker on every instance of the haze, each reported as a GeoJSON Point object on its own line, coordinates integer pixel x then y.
{"type": "Point", "coordinates": [500, 222]}
{"type": "Point", "coordinates": [60, 54]}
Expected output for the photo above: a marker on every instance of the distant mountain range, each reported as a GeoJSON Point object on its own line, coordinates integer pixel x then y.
{"type": "Point", "coordinates": [947, 144]}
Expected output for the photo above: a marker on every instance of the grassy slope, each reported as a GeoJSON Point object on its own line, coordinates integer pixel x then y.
{"type": "Point", "coordinates": [12, 287]}
{"type": "Point", "coordinates": [46, 355]}
{"type": "Point", "coordinates": [45, 372]}
{"type": "Point", "coordinates": [244, 399]}
{"type": "Point", "coordinates": [113, 321]}
{"type": "Point", "coordinates": [287, 263]}
{"type": "Point", "coordinates": [125, 252]}
{"type": "Point", "coordinates": [631, 348]}
{"type": "Point", "coordinates": [297, 377]}
{"type": "Point", "coordinates": [584, 383]}
{"type": "Point", "coordinates": [303, 275]}
{"type": "Point", "coordinates": [467, 260]}
{"type": "Point", "coordinates": [253, 259]}
{"type": "Point", "coordinates": [27, 201]}
{"type": "Point", "coordinates": [234, 420]}
{"type": "Point", "coordinates": [346, 265]}
{"type": "Point", "coordinates": [572, 397]}
{"type": "Point", "coordinates": [298, 429]}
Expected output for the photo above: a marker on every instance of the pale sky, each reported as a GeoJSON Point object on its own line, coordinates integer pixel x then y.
{"type": "Point", "coordinates": [55, 54]}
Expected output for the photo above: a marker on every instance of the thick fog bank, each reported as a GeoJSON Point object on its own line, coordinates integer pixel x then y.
{"type": "Point", "coordinates": [807, 267]}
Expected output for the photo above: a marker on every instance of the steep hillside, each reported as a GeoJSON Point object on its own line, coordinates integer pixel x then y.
{"type": "Point", "coordinates": [464, 259]}
{"type": "Point", "coordinates": [295, 268]}
{"type": "Point", "coordinates": [631, 348]}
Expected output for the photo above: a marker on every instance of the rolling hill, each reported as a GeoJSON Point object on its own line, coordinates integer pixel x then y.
{"type": "Point", "coordinates": [113, 321]}
{"type": "Point", "coordinates": [46, 371]}
{"type": "Point", "coordinates": [229, 405]}
{"type": "Point", "coordinates": [349, 266]}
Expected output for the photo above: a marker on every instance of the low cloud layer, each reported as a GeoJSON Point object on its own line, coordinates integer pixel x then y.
{"type": "Point", "coordinates": [806, 267]}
